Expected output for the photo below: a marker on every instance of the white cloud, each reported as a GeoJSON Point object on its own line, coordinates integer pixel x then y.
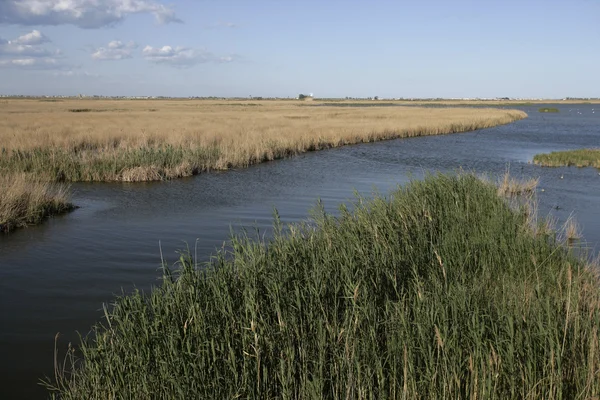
{"type": "Point", "coordinates": [181, 56]}
{"type": "Point", "coordinates": [32, 38]}
{"type": "Point", "coordinates": [82, 13]}
{"type": "Point", "coordinates": [27, 45]}
{"type": "Point", "coordinates": [76, 74]}
{"type": "Point", "coordinates": [32, 63]}
{"type": "Point", "coordinates": [27, 52]}
{"type": "Point", "coordinates": [115, 50]}
{"type": "Point", "coordinates": [11, 49]}
{"type": "Point", "coordinates": [176, 56]}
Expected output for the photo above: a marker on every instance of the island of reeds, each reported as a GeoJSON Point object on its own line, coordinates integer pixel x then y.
{"type": "Point", "coordinates": [443, 289]}
{"type": "Point", "coordinates": [143, 140]}
{"type": "Point", "coordinates": [577, 158]}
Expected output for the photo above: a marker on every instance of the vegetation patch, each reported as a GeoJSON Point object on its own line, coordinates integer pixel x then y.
{"type": "Point", "coordinates": [510, 187]}
{"type": "Point", "coordinates": [297, 116]}
{"type": "Point", "coordinates": [95, 110]}
{"type": "Point", "coordinates": [109, 143]}
{"type": "Point", "coordinates": [89, 163]}
{"type": "Point", "coordinates": [577, 158]}
{"type": "Point", "coordinates": [548, 110]}
{"type": "Point", "coordinates": [441, 290]}
{"type": "Point", "coordinates": [26, 201]}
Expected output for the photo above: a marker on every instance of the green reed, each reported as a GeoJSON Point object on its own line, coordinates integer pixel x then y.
{"type": "Point", "coordinates": [578, 158]}
{"type": "Point", "coordinates": [440, 290]}
{"type": "Point", "coordinates": [94, 164]}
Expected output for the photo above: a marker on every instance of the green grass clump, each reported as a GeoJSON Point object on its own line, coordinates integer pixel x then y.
{"type": "Point", "coordinates": [578, 158]}
{"type": "Point", "coordinates": [548, 110]}
{"type": "Point", "coordinates": [441, 290]}
{"type": "Point", "coordinates": [93, 164]}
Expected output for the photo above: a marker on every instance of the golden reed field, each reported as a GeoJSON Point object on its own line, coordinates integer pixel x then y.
{"type": "Point", "coordinates": [65, 140]}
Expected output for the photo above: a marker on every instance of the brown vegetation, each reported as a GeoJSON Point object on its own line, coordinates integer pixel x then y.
{"type": "Point", "coordinates": [158, 139]}
{"type": "Point", "coordinates": [26, 201]}
{"type": "Point", "coordinates": [509, 186]}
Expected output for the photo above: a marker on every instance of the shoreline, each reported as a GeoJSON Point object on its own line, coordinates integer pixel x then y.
{"type": "Point", "coordinates": [91, 145]}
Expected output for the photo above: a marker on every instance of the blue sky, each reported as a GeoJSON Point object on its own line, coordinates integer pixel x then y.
{"type": "Point", "coordinates": [462, 48]}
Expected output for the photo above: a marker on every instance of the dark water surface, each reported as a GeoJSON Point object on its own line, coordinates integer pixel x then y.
{"type": "Point", "coordinates": [55, 277]}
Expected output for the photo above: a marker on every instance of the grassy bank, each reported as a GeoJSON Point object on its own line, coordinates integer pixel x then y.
{"type": "Point", "coordinates": [26, 201]}
{"type": "Point", "coordinates": [90, 140]}
{"type": "Point", "coordinates": [440, 291]}
{"type": "Point", "coordinates": [577, 158]}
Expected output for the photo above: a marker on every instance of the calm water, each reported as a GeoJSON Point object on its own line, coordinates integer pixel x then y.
{"type": "Point", "coordinates": [55, 277]}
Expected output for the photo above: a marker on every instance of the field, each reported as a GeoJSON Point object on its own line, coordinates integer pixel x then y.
{"type": "Point", "coordinates": [577, 158]}
{"type": "Point", "coordinates": [95, 140]}
{"type": "Point", "coordinates": [441, 290]}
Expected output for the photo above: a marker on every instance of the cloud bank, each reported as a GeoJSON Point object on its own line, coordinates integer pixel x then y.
{"type": "Point", "coordinates": [182, 56]}
{"type": "Point", "coordinates": [31, 63]}
{"type": "Point", "coordinates": [88, 14]}
{"type": "Point", "coordinates": [27, 51]}
{"type": "Point", "coordinates": [32, 38]}
{"type": "Point", "coordinates": [115, 50]}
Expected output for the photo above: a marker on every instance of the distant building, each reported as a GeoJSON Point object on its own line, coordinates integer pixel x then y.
{"type": "Point", "coordinates": [305, 97]}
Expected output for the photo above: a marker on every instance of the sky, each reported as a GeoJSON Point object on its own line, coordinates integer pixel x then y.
{"type": "Point", "coordinates": [281, 48]}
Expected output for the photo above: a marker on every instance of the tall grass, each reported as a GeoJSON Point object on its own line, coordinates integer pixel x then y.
{"type": "Point", "coordinates": [441, 290]}
{"type": "Point", "coordinates": [27, 201]}
{"type": "Point", "coordinates": [509, 186]}
{"type": "Point", "coordinates": [124, 141]}
{"type": "Point", "coordinates": [578, 158]}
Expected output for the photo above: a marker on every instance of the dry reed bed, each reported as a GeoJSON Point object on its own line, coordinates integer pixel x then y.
{"type": "Point", "coordinates": [88, 140]}
{"type": "Point", "coordinates": [26, 201]}
{"type": "Point", "coordinates": [509, 186]}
